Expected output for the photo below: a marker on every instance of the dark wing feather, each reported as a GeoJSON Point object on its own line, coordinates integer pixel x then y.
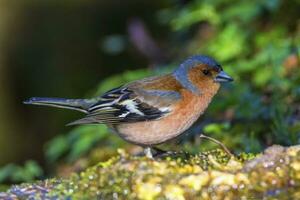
{"type": "Point", "coordinates": [126, 105]}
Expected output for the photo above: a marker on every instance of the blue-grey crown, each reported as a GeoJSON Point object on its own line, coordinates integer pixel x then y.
{"type": "Point", "coordinates": [200, 59]}
{"type": "Point", "coordinates": [181, 73]}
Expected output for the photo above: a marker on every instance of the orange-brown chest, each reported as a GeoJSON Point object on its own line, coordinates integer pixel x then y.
{"type": "Point", "coordinates": [190, 108]}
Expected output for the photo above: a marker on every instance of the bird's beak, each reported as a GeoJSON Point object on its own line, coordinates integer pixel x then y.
{"type": "Point", "coordinates": [223, 77]}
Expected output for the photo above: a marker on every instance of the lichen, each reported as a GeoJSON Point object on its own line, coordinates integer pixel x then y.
{"type": "Point", "coordinates": [274, 174]}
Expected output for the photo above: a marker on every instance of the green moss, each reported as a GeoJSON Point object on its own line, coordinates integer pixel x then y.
{"type": "Point", "coordinates": [273, 174]}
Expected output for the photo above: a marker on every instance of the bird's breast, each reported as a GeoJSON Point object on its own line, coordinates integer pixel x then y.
{"type": "Point", "coordinates": [183, 115]}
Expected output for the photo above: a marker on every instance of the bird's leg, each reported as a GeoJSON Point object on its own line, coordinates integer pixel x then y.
{"type": "Point", "coordinates": [148, 152]}
{"type": "Point", "coordinates": [158, 153]}
{"type": "Point", "coordinates": [218, 143]}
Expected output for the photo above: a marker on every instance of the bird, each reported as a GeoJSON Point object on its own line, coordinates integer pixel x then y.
{"type": "Point", "coordinates": [153, 110]}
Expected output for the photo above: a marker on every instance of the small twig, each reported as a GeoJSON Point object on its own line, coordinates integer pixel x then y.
{"type": "Point", "coordinates": [217, 142]}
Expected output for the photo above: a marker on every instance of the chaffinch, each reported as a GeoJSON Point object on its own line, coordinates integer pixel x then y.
{"type": "Point", "coordinates": [153, 110]}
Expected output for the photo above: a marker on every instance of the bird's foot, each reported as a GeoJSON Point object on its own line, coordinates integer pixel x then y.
{"type": "Point", "coordinates": [153, 152]}
{"type": "Point", "coordinates": [159, 153]}
{"type": "Point", "coordinates": [148, 152]}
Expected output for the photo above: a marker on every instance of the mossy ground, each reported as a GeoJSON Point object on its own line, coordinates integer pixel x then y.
{"type": "Point", "coordinates": [275, 174]}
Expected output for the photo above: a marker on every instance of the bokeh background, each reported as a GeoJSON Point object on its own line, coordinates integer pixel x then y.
{"type": "Point", "coordinates": [83, 48]}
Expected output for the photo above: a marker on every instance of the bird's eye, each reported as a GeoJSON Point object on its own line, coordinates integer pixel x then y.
{"type": "Point", "coordinates": [205, 72]}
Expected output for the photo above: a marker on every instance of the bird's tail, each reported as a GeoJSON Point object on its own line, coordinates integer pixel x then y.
{"type": "Point", "coordinates": [81, 105]}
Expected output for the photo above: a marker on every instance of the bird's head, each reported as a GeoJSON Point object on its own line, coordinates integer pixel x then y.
{"type": "Point", "coordinates": [201, 72]}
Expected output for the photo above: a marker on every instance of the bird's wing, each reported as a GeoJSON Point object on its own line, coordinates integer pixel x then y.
{"type": "Point", "coordinates": [130, 104]}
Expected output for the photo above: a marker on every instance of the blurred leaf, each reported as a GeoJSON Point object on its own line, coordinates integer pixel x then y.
{"type": "Point", "coordinates": [215, 128]}
{"type": "Point", "coordinates": [245, 11]}
{"type": "Point", "coordinates": [29, 172]}
{"type": "Point", "coordinates": [263, 76]}
{"type": "Point", "coordinates": [83, 138]}
{"type": "Point", "coordinates": [6, 171]}
{"type": "Point", "coordinates": [229, 43]}
{"type": "Point", "coordinates": [195, 12]}
{"type": "Point", "coordinates": [78, 142]}
{"type": "Point", "coordinates": [56, 148]}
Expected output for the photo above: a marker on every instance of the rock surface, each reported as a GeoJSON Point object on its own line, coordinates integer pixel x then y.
{"type": "Point", "coordinates": [274, 174]}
